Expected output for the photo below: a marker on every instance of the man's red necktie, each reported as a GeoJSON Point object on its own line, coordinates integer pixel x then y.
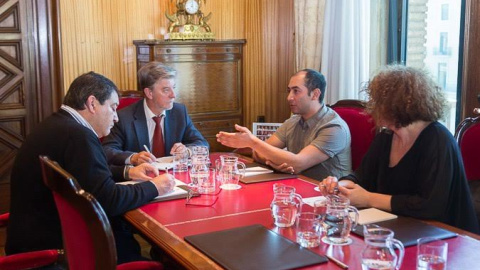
{"type": "Point", "coordinates": [158, 146]}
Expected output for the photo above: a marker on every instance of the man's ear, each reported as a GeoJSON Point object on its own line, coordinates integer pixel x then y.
{"type": "Point", "coordinates": [90, 104]}
{"type": "Point", "coordinates": [316, 94]}
{"type": "Point", "coordinates": [148, 93]}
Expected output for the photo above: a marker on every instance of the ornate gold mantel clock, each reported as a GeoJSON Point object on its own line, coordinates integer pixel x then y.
{"type": "Point", "coordinates": [189, 22]}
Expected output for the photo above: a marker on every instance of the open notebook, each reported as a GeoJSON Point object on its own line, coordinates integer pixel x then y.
{"type": "Point", "coordinates": [179, 191]}
{"type": "Point", "coordinates": [164, 163]}
{"type": "Point", "coordinates": [253, 247]}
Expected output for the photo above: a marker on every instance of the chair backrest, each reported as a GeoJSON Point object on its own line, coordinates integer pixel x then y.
{"type": "Point", "coordinates": [129, 97]}
{"type": "Point", "coordinates": [467, 135]}
{"type": "Point", "coordinates": [87, 235]}
{"type": "Point", "coordinates": [361, 125]}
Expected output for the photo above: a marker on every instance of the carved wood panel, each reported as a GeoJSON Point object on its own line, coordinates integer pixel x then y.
{"type": "Point", "coordinates": [30, 76]}
{"type": "Point", "coordinates": [13, 109]}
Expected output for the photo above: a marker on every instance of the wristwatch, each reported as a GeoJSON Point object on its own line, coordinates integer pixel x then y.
{"type": "Point", "coordinates": [126, 172]}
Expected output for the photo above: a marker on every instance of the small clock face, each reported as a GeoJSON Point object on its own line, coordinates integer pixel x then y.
{"type": "Point", "coordinates": [191, 6]}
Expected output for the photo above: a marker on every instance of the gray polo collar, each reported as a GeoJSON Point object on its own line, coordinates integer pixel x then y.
{"type": "Point", "coordinates": [314, 119]}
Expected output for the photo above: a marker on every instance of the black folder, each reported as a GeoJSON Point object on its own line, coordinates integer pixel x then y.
{"type": "Point", "coordinates": [408, 230]}
{"type": "Point", "coordinates": [253, 247]}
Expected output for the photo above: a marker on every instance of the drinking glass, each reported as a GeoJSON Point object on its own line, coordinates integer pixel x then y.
{"type": "Point", "coordinates": [308, 230]}
{"type": "Point", "coordinates": [200, 150]}
{"type": "Point", "coordinates": [207, 185]}
{"type": "Point", "coordinates": [431, 254]}
{"type": "Point", "coordinates": [199, 171]}
{"type": "Point", "coordinates": [180, 161]}
{"type": "Point", "coordinates": [181, 175]}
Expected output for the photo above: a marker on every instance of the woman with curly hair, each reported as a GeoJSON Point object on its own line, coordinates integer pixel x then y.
{"type": "Point", "coordinates": [413, 167]}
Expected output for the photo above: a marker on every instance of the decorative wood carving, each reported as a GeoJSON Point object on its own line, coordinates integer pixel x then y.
{"type": "Point", "coordinates": [29, 78]}
{"type": "Point", "coordinates": [9, 19]}
{"type": "Point", "coordinates": [13, 110]}
{"type": "Point", "coordinates": [11, 51]}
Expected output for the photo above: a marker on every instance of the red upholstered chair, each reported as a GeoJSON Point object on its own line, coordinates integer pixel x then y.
{"type": "Point", "coordinates": [129, 97]}
{"type": "Point", "coordinates": [4, 219]}
{"type": "Point", "coordinates": [87, 235]}
{"type": "Point", "coordinates": [361, 125]}
{"type": "Point", "coordinates": [467, 135]}
{"type": "Point", "coordinates": [28, 260]}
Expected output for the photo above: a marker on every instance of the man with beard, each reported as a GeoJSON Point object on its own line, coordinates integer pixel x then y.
{"type": "Point", "coordinates": [316, 139]}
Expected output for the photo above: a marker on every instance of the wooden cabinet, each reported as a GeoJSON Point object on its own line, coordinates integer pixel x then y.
{"type": "Point", "coordinates": [209, 80]}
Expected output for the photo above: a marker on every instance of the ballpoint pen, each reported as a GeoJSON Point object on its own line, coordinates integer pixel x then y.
{"type": "Point", "coordinates": [337, 262]}
{"type": "Point", "coordinates": [146, 148]}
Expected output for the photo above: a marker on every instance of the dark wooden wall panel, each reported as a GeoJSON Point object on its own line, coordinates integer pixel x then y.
{"type": "Point", "coordinates": [471, 59]}
{"type": "Point", "coordinates": [30, 76]}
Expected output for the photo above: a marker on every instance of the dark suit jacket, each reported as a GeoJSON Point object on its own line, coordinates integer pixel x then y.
{"type": "Point", "coordinates": [34, 222]}
{"type": "Point", "coordinates": [131, 132]}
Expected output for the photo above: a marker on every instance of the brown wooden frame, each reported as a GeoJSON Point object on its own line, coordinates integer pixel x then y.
{"type": "Point", "coordinates": [463, 127]}
{"type": "Point", "coordinates": [471, 59]}
{"type": "Point", "coordinates": [131, 94]}
{"type": "Point", "coordinates": [355, 103]}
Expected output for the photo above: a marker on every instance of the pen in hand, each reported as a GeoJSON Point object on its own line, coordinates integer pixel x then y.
{"type": "Point", "coordinates": [146, 149]}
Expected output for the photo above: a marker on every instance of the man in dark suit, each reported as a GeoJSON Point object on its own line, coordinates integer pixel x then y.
{"type": "Point", "coordinates": [136, 127]}
{"type": "Point", "coordinates": [71, 137]}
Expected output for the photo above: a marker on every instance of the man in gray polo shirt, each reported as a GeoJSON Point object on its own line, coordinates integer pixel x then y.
{"type": "Point", "coordinates": [316, 139]}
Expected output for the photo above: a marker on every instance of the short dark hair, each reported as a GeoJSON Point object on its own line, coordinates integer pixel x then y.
{"type": "Point", "coordinates": [402, 95]}
{"type": "Point", "coordinates": [313, 80]}
{"type": "Point", "coordinates": [88, 84]}
{"type": "Point", "coordinates": [152, 72]}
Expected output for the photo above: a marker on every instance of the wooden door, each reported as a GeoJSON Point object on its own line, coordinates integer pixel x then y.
{"type": "Point", "coordinates": [29, 76]}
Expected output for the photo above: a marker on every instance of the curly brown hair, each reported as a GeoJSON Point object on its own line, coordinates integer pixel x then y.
{"type": "Point", "coordinates": [402, 95]}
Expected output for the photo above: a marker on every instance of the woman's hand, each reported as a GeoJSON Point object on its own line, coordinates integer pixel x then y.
{"type": "Point", "coordinates": [329, 186]}
{"type": "Point", "coordinates": [358, 196]}
{"type": "Point", "coordinates": [361, 198]}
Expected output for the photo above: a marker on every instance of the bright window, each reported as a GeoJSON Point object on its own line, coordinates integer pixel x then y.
{"type": "Point", "coordinates": [433, 42]}
{"type": "Point", "coordinates": [444, 11]}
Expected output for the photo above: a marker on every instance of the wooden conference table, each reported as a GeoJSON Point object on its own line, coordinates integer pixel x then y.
{"type": "Point", "coordinates": [166, 223]}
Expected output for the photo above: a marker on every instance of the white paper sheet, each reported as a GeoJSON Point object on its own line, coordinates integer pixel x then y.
{"type": "Point", "coordinates": [373, 215]}
{"type": "Point", "coordinates": [256, 171]}
{"type": "Point", "coordinates": [175, 193]}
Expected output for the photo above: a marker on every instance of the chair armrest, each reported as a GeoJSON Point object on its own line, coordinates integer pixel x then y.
{"type": "Point", "coordinates": [4, 219]}
{"type": "Point", "coordinates": [29, 260]}
{"type": "Point", "coordinates": [140, 265]}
